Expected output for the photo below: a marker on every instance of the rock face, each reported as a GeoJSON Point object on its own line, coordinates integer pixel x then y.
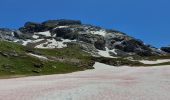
{"type": "Point", "coordinates": [31, 27]}
{"type": "Point", "coordinates": [6, 34]}
{"type": "Point", "coordinates": [166, 49]}
{"type": "Point", "coordinates": [95, 40]}
{"type": "Point", "coordinates": [62, 22]}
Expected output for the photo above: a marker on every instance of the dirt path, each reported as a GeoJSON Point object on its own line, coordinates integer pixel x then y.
{"type": "Point", "coordinates": [103, 83]}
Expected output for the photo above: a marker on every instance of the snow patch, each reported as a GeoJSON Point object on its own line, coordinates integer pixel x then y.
{"type": "Point", "coordinates": [38, 56]}
{"type": "Point", "coordinates": [46, 33]}
{"type": "Point", "coordinates": [35, 36]}
{"type": "Point", "coordinates": [61, 27]}
{"type": "Point", "coordinates": [26, 42]}
{"type": "Point", "coordinates": [52, 43]}
{"type": "Point", "coordinates": [114, 51]}
{"type": "Point", "coordinates": [98, 65]}
{"type": "Point", "coordinates": [16, 40]}
{"type": "Point", "coordinates": [100, 32]}
{"type": "Point", "coordinates": [13, 34]}
{"type": "Point", "coordinates": [155, 62]}
{"type": "Point", "coordinates": [106, 53]}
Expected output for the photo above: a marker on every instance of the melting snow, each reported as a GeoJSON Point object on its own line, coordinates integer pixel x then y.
{"type": "Point", "coordinates": [52, 43]}
{"type": "Point", "coordinates": [62, 27]}
{"type": "Point", "coordinates": [38, 56]}
{"type": "Point", "coordinates": [106, 53]}
{"type": "Point", "coordinates": [98, 65]}
{"type": "Point", "coordinates": [114, 51]}
{"type": "Point", "coordinates": [46, 33]}
{"type": "Point", "coordinates": [35, 36]}
{"type": "Point", "coordinates": [29, 41]}
{"type": "Point", "coordinates": [26, 42]}
{"type": "Point", "coordinates": [155, 62]}
{"type": "Point", "coordinates": [101, 32]}
{"type": "Point", "coordinates": [105, 82]}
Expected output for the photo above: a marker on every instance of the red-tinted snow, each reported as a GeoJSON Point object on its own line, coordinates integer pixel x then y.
{"type": "Point", "coordinates": [103, 83]}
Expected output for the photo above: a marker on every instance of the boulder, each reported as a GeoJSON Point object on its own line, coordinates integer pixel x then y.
{"type": "Point", "coordinates": [38, 65]}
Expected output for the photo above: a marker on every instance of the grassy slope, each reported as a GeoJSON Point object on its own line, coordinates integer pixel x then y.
{"type": "Point", "coordinates": [25, 65]}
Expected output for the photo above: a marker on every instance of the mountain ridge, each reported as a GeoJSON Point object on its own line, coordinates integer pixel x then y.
{"type": "Point", "coordinates": [100, 38]}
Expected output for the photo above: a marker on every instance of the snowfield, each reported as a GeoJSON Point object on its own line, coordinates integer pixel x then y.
{"type": "Point", "coordinates": [155, 62]}
{"type": "Point", "coordinates": [103, 83]}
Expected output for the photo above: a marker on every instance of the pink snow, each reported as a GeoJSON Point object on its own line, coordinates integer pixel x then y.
{"type": "Point", "coordinates": [103, 83]}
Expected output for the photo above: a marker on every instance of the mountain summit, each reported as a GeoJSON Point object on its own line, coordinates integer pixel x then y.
{"type": "Point", "coordinates": [92, 39]}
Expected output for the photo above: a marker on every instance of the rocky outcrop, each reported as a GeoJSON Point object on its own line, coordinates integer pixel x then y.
{"type": "Point", "coordinates": [61, 22]}
{"type": "Point", "coordinates": [65, 33]}
{"type": "Point", "coordinates": [31, 27]}
{"type": "Point", "coordinates": [166, 49]}
{"type": "Point", "coordinates": [6, 34]}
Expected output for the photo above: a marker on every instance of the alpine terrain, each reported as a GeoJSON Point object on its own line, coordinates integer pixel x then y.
{"type": "Point", "coordinates": [61, 46]}
{"type": "Point", "coordinates": [109, 64]}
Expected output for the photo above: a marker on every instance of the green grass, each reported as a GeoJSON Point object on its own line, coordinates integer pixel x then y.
{"type": "Point", "coordinates": [25, 65]}
{"type": "Point", "coordinates": [8, 46]}
{"type": "Point", "coordinates": [72, 51]}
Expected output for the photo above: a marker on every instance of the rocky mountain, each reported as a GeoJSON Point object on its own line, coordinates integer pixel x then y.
{"type": "Point", "coordinates": [95, 40]}
{"type": "Point", "coordinates": [63, 46]}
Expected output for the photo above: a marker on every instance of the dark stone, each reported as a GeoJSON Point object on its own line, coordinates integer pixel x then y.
{"type": "Point", "coordinates": [62, 22]}
{"type": "Point", "coordinates": [36, 71]}
{"type": "Point", "coordinates": [142, 52]}
{"type": "Point", "coordinates": [39, 65]}
{"type": "Point", "coordinates": [100, 43]}
{"type": "Point", "coordinates": [166, 49]}
{"type": "Point", "coordinates": [64, 33]}
{"type": "Point", "coordinates": [88, 38]}
{"type": "Point", "coordinates": [31, 27]}
{"type": "Point", "coordinates": [58, 38]}
{"type": "Point", "coordinates": [4, 54]}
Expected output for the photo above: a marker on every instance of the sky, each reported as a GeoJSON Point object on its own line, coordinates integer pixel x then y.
{"type": "Point", "coordinates": [148, 20]}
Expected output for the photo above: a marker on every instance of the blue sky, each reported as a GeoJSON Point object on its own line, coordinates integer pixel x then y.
{"type": "Point", "coordinates": [148, 20]}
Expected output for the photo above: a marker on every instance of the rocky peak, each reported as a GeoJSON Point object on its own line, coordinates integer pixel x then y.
{"type": "Point", "coordinates": [61, 22]}
{"type": "Point", "coordinates": [92, 39]}
{"type": "Point", "coordinates": [31, 27]}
